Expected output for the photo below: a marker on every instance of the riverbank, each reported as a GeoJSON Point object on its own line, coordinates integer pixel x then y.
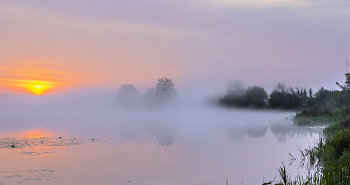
{"type": "Point", "coordinates": [329, 161]}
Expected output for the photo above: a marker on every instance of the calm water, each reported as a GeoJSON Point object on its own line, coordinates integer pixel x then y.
{"type": "Point", "coordinates": [182, 146]}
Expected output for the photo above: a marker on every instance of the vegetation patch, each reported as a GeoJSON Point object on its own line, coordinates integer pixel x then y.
{"type": "Point", "coordinates": [328, 163]}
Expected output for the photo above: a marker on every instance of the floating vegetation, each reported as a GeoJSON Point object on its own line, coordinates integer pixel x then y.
{"type": "Point", "coordinates": [21, 142]}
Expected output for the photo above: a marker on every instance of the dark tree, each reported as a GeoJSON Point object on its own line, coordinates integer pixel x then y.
{"type": "Point", "coordinates": [346, 86]}
{"type": "Point", "coordinates": [311, 99]}
{"type": "Point", "coordinates": [150, 99]}
{"type": "Point", "coordinates": [288, 98]}
{"type": "Point", "coordinates": [256, 96]}
{"type": "Point", "coordinates": [127, 96]}
{"type": "Point", "coordinates": [321, 95]}
{"type": "Point", "coordinates": [151, 94]}
{"type": "Point", "coordinates": [330, 98]}
{"type": "Point", "coordinates": [292, 98]}
{"type": "Point", "coordinates": [163, 92]}
{"type": "Point", "coordinates": [344, 97]}
{"type": "Point", "coordinates": [165, 89]}
{"type": "Point", "coordinates": [277, 96]}
{"type": "Point", "coordinates": [295, 98]}
{"type": "Point", "coordinates": [235, 89]}
{"type": "Point", "coordinates": [235, 94]}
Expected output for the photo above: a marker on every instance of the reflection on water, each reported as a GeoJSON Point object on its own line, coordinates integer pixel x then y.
{"type": "Point", "coordinates": [163, 131]}
{"type": "Point", "coordinates": [257, 131]}
{"type": "Point", "coordinates": [147, 148]}
{"type": "Point", "coordinates": [236, 133]}
{"type": "Point", "coordinates": [281, 130]}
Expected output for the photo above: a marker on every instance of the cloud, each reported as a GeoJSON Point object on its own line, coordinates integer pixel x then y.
{"type": "Point", "coordinates": [35, 16]}
{"type": "Point", "coordinates": [211, 41]}
{"type": "Point", "coordinates": [80, 49]}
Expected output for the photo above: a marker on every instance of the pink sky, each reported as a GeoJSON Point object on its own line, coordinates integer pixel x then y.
{"type": "Point", "coordinates": [200, 44]}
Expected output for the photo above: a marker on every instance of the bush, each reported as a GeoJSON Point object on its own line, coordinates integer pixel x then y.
{"type": "Point", "coordinates": [127, 96]}
{"type": "Point", "coordinates": [340, 141]}
{"type": "Point", "coordinates": [256, 96]}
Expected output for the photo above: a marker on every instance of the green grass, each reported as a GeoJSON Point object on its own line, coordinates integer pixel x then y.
{"type": "Point", "coordinates": [329, 161]}
{"type": "Point", "coordinates": [317, 116]}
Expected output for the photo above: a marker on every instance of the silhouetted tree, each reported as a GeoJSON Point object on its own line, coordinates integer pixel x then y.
{"type": "Point", "coordinates": [165, 88]}
{"type": "Point", "coordinates": [235, 94]}
{"type": "Point", "coordinates": [150, 98]}
{"type": "Point", "coordinates": [344, 97]}
{"type": "Point", "coordinates": [301, 93]}
{"type": "Point", "coordinates": [235, 89]}
{"type": "Point", "coordinates": [295, 98]}
{"type": "Point", "coordinates": [277, 96]}
{"type": "Point", "coordinates": [288, 98]}
{"type": "Point", "coordinates": [321, 96]}
{"type": "Point", "coordinates": [330, 98]}
{"type": "Point", "coordinates": [346, 86]}
{"type": "Point", "coordinates": [311, 100]}
{"type": "Point", "coordinates": [163, 92]}
{"type": "Point", "coordinates": [256, 96]}
{"type": "Point", "coordinates": [151, 93]}
{"type": "Point", "coordinates": [127, 96]}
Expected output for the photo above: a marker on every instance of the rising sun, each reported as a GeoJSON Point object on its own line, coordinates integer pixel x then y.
{"type": "Point", "coordinates": [37, 87]}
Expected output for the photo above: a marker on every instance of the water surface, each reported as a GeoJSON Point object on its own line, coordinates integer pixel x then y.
{"type": "Point", "coordinates": [183, 146]}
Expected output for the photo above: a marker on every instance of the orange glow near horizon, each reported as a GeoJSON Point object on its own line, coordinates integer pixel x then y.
{"type": "Point", "coordinates": [36, 87]}
{"type": "Point", "coordinates": [31, 134]}
{"type": "Point", "coordinates": [37, 134]}
{"type": "Point", "coordinates": [54, 75]}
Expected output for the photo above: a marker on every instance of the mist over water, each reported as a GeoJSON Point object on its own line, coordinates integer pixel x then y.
{"type": "Point", "coordinates": [189, 142]}
{"type": "Point", "coordinates": [99, 116]}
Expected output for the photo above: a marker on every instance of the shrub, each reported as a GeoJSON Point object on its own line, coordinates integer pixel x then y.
{"type": "Point", "coordinates": [256, 96]}
{"type": "Point", "coordinates": [340, 141]}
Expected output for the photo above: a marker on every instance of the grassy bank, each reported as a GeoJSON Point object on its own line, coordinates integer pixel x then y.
{"type": "Point", "coordinates": [316, 116]}
{"type": "Point", "coordinates": [328, 163]}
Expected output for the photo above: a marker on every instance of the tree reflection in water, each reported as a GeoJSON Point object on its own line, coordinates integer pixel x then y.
{"type": "Point", "coordinates": [282, 130]}
{"type": "Point", "coordinates": [235, 133]}
{"type": "Point", "coordinates": [257, 131]}
{"type": "Point", "coordinates": [129, 127]}
{"type": "Point", "coordinates": [164, 131]}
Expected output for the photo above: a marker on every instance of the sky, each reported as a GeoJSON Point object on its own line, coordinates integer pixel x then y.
{"type": "Point", "coordinates": [62, 45]}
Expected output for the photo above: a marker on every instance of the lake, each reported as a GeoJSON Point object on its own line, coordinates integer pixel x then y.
{"type": "Point", "coordinates": [61, 144]}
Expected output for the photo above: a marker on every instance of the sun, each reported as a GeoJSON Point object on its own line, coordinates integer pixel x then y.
{"type": "Point", "coordinates": [36, 87]}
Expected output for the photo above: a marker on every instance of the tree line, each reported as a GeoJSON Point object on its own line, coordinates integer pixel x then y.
{"type": "Point", "coordinates": [281, 97]}
{"type": "Point", "coordinates": [237, 95]}
{"type": "Point", "coordinates": [162, 93]}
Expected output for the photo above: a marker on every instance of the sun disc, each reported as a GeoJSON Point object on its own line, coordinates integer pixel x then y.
{"type": "Point", "coordinates": [37, 87]}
